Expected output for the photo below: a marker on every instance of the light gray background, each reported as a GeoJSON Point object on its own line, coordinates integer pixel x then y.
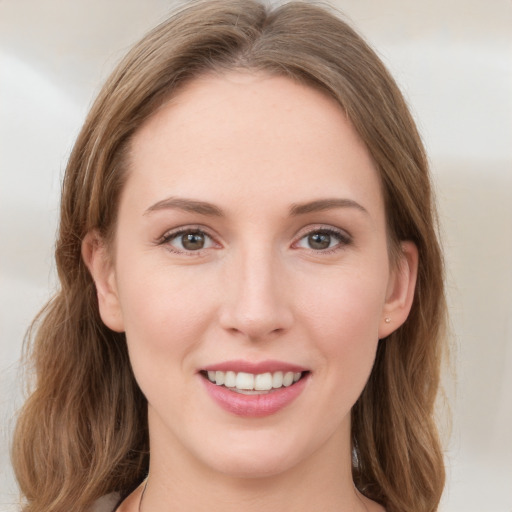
{"type": "Point", "coordinates": [453, 60]}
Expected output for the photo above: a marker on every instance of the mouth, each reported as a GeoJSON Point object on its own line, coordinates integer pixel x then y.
{"type": "Point", "coordinates": [253, 384]}
{"type": "Point", "coordinates": [254, 390]}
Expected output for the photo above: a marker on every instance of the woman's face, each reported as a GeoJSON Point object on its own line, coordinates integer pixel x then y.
{"type": "Point", "coordinates": [251, 249]}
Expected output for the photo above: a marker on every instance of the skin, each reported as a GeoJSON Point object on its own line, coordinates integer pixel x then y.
{"type": "Point", "coordinates": [253, 146]}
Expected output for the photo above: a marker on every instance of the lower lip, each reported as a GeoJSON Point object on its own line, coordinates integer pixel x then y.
{"type": "Point", "coordinates": [254, 406]}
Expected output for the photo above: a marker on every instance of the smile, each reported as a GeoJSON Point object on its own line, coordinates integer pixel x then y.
{"type": "Point", "coordinates": [254, 390]}
{"type": "Point", "coordinates": [248, 383]}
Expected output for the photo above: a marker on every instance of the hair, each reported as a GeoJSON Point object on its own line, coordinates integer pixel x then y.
{"type": "Point", "coordinates": [83, 431]}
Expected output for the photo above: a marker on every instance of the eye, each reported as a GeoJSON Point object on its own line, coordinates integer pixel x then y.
{"type": "Point", "coordinates": [323, 239]}
{"type": "Point", "coordinates": [188, 240]}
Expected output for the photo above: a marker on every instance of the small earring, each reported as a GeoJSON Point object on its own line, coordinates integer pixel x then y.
{"type": "Point", "coordinates": [387, 320]}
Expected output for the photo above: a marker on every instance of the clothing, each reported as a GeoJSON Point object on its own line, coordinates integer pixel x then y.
{"type": "Point", "coordinates": [107, 503]}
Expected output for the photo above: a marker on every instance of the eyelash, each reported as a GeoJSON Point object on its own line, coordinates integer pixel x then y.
{"type": "Point", "coordinates": [174, 235]}
{"type": "Point", "coordinates": [344, 239]}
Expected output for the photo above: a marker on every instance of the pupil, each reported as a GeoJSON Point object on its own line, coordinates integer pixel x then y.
{"type": "Point", "coordinates": [319, 240]}
{"type": "Point", "coordinates": [193, 241]}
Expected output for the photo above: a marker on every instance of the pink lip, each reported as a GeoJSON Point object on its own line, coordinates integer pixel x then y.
{"type": "Point", "coordinates": [254, 406]}
{"type": "Point", "coordinates": [253, 367]}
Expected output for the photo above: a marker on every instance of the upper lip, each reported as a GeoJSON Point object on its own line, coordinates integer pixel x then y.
{"type": "Point", "coordinates": [255, 367]}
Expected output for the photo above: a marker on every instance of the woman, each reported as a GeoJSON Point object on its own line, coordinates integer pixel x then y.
{"type": "Point", "coordinates": [251, 308]}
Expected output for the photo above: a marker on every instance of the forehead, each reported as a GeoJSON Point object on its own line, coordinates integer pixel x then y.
{"type": "Point", "coordinates": [255, 131]}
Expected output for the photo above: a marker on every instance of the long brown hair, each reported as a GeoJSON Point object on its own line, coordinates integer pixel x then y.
{"type": "Point", "coordinates": [83, 431]}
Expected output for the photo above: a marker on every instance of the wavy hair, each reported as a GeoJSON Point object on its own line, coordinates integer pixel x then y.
{"type": "Point", "coordinates": [83, 430]}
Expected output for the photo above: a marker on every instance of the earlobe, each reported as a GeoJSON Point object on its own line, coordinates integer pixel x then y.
{"type": "Point", "coordinates": [97, 259]}
{"type": "Point", "coordinates": [400, 291]}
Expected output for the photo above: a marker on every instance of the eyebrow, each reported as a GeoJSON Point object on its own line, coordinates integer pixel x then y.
{"type": "Point", "coordinates": [188, 205]}
{"type": "Point", "coordinates": [205, 208]}
{"type": "Point", "coordinates": [325, 204]}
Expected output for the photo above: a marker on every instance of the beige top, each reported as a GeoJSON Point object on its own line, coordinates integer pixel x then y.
{"type": "Point", "coordinates": [106, 503]}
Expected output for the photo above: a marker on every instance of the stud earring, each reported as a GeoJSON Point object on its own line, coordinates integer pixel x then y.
{"type": "Point", "coordinates": [387, 320]}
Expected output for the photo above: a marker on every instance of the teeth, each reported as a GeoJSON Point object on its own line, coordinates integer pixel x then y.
{"type": "Point", "coordinates": [277, 380]}
{"type": "Point", "coordinates": [263, 382]}
{"type": "Point", "coordinates": [288, 379]}
{"type": "Point", "coordinates": [244, 381]}
{"type": "Point", "coordinates": [249, 382]}
{"type": "Point", "coordinates": [219, 378]}
{"type": "Point", "coordinates": [230, 380]}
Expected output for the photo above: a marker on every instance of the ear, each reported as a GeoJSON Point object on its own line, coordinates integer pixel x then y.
{"type": "Point", "coordinates": [97, 259]}
{"type": "Point", "coordinates": [400, 291]}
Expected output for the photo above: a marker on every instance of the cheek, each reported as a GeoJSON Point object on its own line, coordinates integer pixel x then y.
{"type": "Point", "coordinates": [165, 312]}
{"type": "Point", "coordinates": [343, 317]}
{"type": "Point", "coordinates": [346, 302]}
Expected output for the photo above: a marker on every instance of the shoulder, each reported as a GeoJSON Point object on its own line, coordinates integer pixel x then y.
{"type": "Point", "coordinates": [106, 503]}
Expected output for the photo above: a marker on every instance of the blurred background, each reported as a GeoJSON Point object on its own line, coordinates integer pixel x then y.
{"type": "Point", "coordinates": [453, 61]}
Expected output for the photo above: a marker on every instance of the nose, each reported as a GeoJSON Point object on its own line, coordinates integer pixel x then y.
{"type": "Point", "coordinates": [256, 296]}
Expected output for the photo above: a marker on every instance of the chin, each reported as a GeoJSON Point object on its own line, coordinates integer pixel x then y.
{"type": "Point", "coordinates": [265, 456]}
{"type": "Point", "coordinates": [253, 468]}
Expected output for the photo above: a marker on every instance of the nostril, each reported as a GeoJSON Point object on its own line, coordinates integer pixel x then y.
{"type": "Point", "coordinates": [256, 327]}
